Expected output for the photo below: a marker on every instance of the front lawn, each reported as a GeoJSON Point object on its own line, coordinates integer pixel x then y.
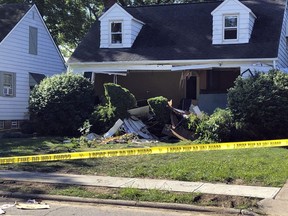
{"type": "Point", "coordinates": [265, 166]}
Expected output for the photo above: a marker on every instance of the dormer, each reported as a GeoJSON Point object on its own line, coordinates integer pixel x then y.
{"type": "Point", "coordinates": [232, 23]}
{"type": "Point", "coordinates": [118, 28]}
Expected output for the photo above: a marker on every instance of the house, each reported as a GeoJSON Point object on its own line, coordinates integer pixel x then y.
{"type": "Point", "coordinates": [186, 52]}
{"type": "Point", "coordinates": [27, 54]}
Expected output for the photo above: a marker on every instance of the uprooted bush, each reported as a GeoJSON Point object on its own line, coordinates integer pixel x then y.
{"type": "Point", "coordinates": [159, 106]}
{"type": "Point", "coordinates": [60, 104]}
{"type": "Point", "coordinates": [120, 98]}
{"type": "Point", "coordinates": [218, 127]}
{"type": "Point", "coordinates": [116, 103]}
{"type": "Point", "coordinates": [259, 105]}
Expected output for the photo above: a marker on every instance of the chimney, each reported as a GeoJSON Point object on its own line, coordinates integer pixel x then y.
{"type": "Point", "coordinates": [108, 4]}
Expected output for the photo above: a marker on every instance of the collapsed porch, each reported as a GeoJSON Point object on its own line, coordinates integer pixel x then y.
{"type": "Point", "coordinates": [206, 88]}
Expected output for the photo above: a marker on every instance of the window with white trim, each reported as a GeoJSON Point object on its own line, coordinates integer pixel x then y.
{"type": "Point", "coordinates": [14, 124]}
{"type": "Point", "coordinates": [116, 32]}
{"type": "Point", "coordinates": [7, 84]}
{"type": "Point", "coordinates": [230, 27]}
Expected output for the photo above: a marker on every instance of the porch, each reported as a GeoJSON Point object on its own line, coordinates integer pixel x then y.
{"type": "Point", "coordinates": [206, 88]}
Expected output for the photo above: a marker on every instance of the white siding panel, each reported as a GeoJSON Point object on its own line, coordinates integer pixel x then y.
{"type": "Point", "coordinates": [245, 22]}
{"type": "Point", "coordinates": [282, 51]}
{"type": "Point", "coordinates": [14, 57]}
{"type": "Point", "coordinates": [130, 27]}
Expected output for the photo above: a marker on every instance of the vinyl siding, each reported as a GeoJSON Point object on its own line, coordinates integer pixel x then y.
{"type": "Point", "coordinates": [283, 49]}
{"type": "Point", "coordinates": [15, 57]}
{"type": "Point", "coordinates": [130, 28]}
{"type": "Point", "coordinates": [245, 22]}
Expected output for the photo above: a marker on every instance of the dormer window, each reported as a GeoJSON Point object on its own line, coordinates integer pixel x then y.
{"type": "Point", "coordinates": [116, 32]}
{"type": "Point", "coordinates": [232, 23]}
{"type": "Point", "coordinates": [230, 27]}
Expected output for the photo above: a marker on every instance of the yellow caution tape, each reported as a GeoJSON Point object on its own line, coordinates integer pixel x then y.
{"type": "Point", "coordinates": [144, 151]}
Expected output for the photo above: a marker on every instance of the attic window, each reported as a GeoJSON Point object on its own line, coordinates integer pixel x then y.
{"type": "Point", "coordinates": [230, 27]}
{"type": "Point", "coordinates": [116, 32]}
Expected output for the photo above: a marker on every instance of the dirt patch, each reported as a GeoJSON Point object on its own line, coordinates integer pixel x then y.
{"type": "Point", "coordinates": [113, 193]}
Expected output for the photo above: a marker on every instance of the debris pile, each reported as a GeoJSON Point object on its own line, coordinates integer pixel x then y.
{"type": "Point", "coordinates": [134, 130]}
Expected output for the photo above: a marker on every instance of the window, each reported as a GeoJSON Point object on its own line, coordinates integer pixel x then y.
{"type": "Point", "coordinates": [33, 40]}
{"type": "Point", "coordinates": [7, 84]}
{"type": "Point", "coordinates": [14, 124]}
{"type": "Point", "coordinates": [116, 33]}
{"type": "Point", "coordinates": [230, 27]}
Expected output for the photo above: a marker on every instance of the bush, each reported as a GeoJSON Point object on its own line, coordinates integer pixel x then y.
{"type": "Point", "coordinates": [102, 119]}
{"type": "Point", "coordinates": [116, 103]}
{"type": "Point", "coordinates": [159, 106]}
{"type": "Point", "coordinates": [259, 104]}
{"type": "Point", "coordinates": [120, 98]}
{"type": "Point", "coordinates": [60, 104]}
{"type": "Point", "coordinates": [219, 127]}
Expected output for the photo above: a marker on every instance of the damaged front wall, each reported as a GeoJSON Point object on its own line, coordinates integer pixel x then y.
{"type": "Point", "coordinates": [146, 84]}
{"type": "Point", "coordinates": [210, 85]}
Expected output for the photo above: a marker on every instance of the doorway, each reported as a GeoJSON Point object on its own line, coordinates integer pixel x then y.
{"type": "Point", "coordinates": [191, 87]}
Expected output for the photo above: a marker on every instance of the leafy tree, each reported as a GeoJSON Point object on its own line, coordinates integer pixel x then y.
{"type": "Point", "coordinates": [60, 104]}
{"type": "Point", "coordinates": [259, 104]}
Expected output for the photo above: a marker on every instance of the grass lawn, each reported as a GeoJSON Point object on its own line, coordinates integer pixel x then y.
{"type": "Point", "coordinates": [265, 166]}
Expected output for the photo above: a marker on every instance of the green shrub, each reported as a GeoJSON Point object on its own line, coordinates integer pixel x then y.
{"type": "Point", "coordinates": [259, 105]}
{"type": "Point", "coordinates": [60, 104]}
{"type": "Point", "coordinates": [120, 98]}
{"type": "Point", "coordinates": [102, 119]}
{"type": "Point", "coordinates": [159, 106]}
{"type": "Point", "coordinates": [117, 100]}
{"type": "Point", "coordinates": [219, 127]}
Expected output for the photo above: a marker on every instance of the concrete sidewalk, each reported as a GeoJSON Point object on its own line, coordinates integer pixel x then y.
{"type": "Point", "coordinates": [277, 206]}
{"type": "Point", "coordinates": [119, 182]}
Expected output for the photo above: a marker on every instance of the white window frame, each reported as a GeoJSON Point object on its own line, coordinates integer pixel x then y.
{"type": "Point", "coordinates": [231, 28]}
{"type": "Point", "coordinates": [15, 124]}
{"type": "Point", "coordinates": [8, 89]}
{"type": "Point", "coordinates": [111, 33]}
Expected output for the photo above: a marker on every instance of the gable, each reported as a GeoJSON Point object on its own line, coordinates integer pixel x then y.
{"type": "Point", "coordinates": [118, 28]}
{"type": "Point", "coordinates": [233, 22]}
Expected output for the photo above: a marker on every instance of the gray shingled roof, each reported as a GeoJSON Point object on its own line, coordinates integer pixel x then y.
{"type": "Point", "coordinates": [10, 15]}
{"type": "Point", "coordinates": [184, 32]}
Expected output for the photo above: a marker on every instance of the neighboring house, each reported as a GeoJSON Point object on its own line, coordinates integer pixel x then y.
{"type": "Point", "coordinates": [27, 54]}
{"type": "Point", "coordinates": [185, 52]}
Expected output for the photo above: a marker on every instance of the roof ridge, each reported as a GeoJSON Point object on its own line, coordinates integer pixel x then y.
{"type": "Point", "coordinates": [173, 4]}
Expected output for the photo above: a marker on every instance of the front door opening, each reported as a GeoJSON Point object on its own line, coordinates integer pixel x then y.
{"type": "Point", "coordinates": [191, 88]}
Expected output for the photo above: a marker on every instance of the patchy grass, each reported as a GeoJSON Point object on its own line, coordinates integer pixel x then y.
{"type": "Point", "coordinates": [130, 194]}
{"type": "Point", "coordinates": [265, 166]}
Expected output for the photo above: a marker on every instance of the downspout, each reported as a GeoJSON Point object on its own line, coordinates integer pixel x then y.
{"type": "Point", "coordinates": [274, 64]}
{"type": "Point", "coordinates": [115, 79]}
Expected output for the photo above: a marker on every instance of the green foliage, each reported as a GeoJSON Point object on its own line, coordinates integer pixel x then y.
{"type": "Point", "coordinates": [120, 98]}
{"type": "Point", "coordinates": [60, 104]}
{"type": "Point", "coordinates": [219, 127]}
{"type": "Point", "coordinates": [159, 106]}
{"type": "Point", "coordinates": [102, 118]}
{"type": "Point", "coordinates": [117, 101]}
{"type": "Point", "coordinates": [259, 105]}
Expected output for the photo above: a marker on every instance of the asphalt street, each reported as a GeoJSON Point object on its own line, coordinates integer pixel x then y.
{"type": "Point", "coordinates": [79, 209]}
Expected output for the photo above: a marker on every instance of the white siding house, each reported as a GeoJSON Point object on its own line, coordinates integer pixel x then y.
{"type": "Point", "coordinates": [27, 49]}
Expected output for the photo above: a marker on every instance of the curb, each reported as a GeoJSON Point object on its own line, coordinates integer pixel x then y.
{"type": "Point", "coordinates": [170, 206]}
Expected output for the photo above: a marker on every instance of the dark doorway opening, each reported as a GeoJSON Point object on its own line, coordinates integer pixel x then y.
{"type": "Point", "coordinates": [191, 88]}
